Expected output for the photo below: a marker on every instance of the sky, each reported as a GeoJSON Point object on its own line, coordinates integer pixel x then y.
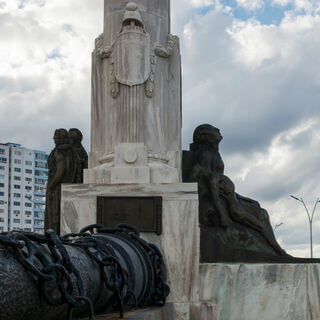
{"type": "Point", "coordinates": [250, 68]}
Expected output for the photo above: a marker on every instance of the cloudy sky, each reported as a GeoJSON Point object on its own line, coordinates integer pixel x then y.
{"type": "Point", "coordinates": [250, 67]}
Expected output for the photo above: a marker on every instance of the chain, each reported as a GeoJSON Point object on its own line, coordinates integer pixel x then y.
{"type": "Point", "coordinates": [116, 279]}
{"type": "Point", "coordinates": [54, 273]}
{"type": "Point", "coordinates": [161, 289]}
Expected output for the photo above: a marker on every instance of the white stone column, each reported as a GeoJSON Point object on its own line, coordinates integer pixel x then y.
{"type": "Point", "coordinates": [146, 106]}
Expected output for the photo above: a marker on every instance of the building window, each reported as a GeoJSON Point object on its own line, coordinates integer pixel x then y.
{"type": "Point", "coordinates": [39, 181]}
{"type": "Point", "coordinates": [27, 229]}
{"type": "Point", "coordinates": [17, 152]}
{"type": "Point", "coordinates": [2, 151]}
{"type": "Point", "coordinates": [16, 203]}
{"type": "Point", "coordinates": [29, 179]}
{"type": "Point", "coordinates": [29, 163]}
{"type": "Point", "coordinates": [1, 229]}
{"type": "Point", "coordinates": [1, 185]}
{"type": "Point", "coordinates": [29, 171]}
{"type": "Point", "coordinates": [28, 205]}
{"type": "Point", "coordinates": [38, 206]}
{"type": "Point", "coordinates": [16, 211]}
{"type": "Point", "coordinates": [17, 186]}
{"type": "Point", "coordinates": [41, 165]}
{"type": "Point", "coordinates": [1, 202]}
{"type": "Point", "coordinates": [17, 195]}
{"type": "Point", "coordinates": [28, 188]}
{"type": "Point", "coordinates": [3, 160]}
{"type": "Point", "coordinates": [17, 169]}
{"type": "Point", "coordinates": [17, 178]}
{"type": "Point", "coordinates": [17, 161]}
{"type": "Point", "coordinates": [39, 189]}
{"type": "Point", "coordinates": [1, 193]}
{"type": "Point", "coordinates": [28, 213]}
{"type": "Point", "coordinates": [1, 219]}
{"type": "Point", "coordinates": [1, 210]}
{"type": "Point", "coordinates": [2, 168]}
{"type": "Point", "coordinates": [27, 221]}
{"type": "Point", "coordinates": [38, 198]}
{"type": "Point", "coordinates": [41, 173]}
{"type": "Point", "coordinates": [41, 156]}
{"type": "Point", "coordinates": [16, 220]}
{"type": "Point", "coordinates": [1, 176]}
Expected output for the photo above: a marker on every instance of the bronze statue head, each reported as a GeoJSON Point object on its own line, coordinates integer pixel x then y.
{"type": "Point", "coordinates": [206, 134]}
{"type": "Point", "coordinates": [61, 136]}
{"type": "Point", "coordinates": [75, 135]}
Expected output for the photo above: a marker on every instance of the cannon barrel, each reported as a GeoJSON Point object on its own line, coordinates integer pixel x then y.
{"type": "Point", "coordinates": [47, 277]}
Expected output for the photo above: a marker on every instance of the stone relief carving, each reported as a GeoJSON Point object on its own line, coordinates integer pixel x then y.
{"type": "Point", "coordinates": [66, 163]}
{"type": "Point", "coordinates": [133, 55]}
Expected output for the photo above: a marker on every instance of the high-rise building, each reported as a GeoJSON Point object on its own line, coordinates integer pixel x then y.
{"type": "Point", "coordinates": [23, 180]}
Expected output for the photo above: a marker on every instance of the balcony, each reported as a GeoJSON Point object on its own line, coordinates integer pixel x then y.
{"type": "Point", "coordinates": [38, 227]}
{"type": "Point", "coordinates": [38, 218]}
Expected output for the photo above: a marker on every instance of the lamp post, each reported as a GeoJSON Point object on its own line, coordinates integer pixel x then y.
{"type": "Point", "coordinates": [277, 226]}
{"type": "Point", "coordinates": [310, 218]}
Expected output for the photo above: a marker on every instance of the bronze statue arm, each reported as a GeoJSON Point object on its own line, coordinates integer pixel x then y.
{"type": "Point", "coordinates": [58, 177]}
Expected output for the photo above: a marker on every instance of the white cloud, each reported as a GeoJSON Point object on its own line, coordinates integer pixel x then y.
{"type": "Point", "coordinates": [45, 68]}
{"type": "Point", "coordinates": [251, 4]}
{"type": "Point", "coordinates": [282, 2]}
{"type": "Point", "coordinates": [259, 84]}
{"type": "Point", "coordinates": [202, 3]}
{"type": "Point", "coordinates": [256, 43]}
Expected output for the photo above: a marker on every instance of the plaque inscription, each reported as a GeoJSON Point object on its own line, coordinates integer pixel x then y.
{"type": "Point", "coordinates": [145, 213]}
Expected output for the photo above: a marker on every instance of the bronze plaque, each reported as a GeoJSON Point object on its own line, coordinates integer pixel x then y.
{"type": "Point", "coordinates": [144, 213]}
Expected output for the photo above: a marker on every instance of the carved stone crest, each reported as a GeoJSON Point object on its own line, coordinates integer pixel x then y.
{"type": "Point", "coordinates": [133, 54]}
{"type": "Point", "coordinates": [132, 57]}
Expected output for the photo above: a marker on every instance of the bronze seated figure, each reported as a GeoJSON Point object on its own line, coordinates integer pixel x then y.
{"type": "Point", "coordinates": [233, 228]}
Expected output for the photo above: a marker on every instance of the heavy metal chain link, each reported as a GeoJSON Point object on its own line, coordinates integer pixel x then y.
{"type": "Point", "coordinates": [54, 275]}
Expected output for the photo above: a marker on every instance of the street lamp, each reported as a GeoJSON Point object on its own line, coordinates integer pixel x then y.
{"type": "Point", "coordinates": [277, 226]}
{"type": "Point", "coordinates": [310, 218]}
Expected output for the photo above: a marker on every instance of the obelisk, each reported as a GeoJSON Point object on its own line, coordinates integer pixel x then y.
{"type": "Point", "coordinates": [136, 96]}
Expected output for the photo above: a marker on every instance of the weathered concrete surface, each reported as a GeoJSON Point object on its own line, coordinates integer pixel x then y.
{"type": "Point", "coordinates": [262, 291]}
{"type": "Point", "coordinates": [164, 313]}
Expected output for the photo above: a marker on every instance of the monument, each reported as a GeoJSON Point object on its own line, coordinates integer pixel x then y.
{"type": "Point", "coordinates": [135, 158]}
{"type": "Point", "coordinates": [135, 173]}
{"type": "Point", "coordinates": [136, 96]}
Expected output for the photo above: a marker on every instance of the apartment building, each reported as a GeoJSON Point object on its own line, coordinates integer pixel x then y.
{"type": "Point", "coordinates": [23, 179]}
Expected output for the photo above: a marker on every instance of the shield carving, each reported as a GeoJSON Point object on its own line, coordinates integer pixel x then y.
{"type": "Point", "coordinates": [132, 57]}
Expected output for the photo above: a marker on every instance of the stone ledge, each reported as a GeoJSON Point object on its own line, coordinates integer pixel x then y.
{"type": "Point", "coordinates": [262, 291]}
{"type": "Point", "coordinates": [164, 313]}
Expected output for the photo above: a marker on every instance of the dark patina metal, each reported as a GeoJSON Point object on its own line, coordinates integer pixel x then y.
{"type": "Point", "coordinates": [145, 213]}
{"type": "Point", "coordinates": [48, 277]}
{"type": "Point", "coordinates": [234, 228]}
{"type": "Point", "coordinates": [66, 163]}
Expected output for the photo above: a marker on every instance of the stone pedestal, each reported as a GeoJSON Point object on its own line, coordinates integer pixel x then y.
{"type": "Point", "coordinates": [262, 291]}
{"type": "Point", "coordinates": [179, 241]}
{"type": "Point", "coordinates": [204, 291]}
{"type": "Point", "coordinates": [131, 163]}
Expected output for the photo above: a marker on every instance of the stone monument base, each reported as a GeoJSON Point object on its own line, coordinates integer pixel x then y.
{"type": "Point", "coordinates": [179, 241]}
{"type": "Point", "coordinates": [203, 291]}
{"type": "Point", "coordinates": [262, 291]}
